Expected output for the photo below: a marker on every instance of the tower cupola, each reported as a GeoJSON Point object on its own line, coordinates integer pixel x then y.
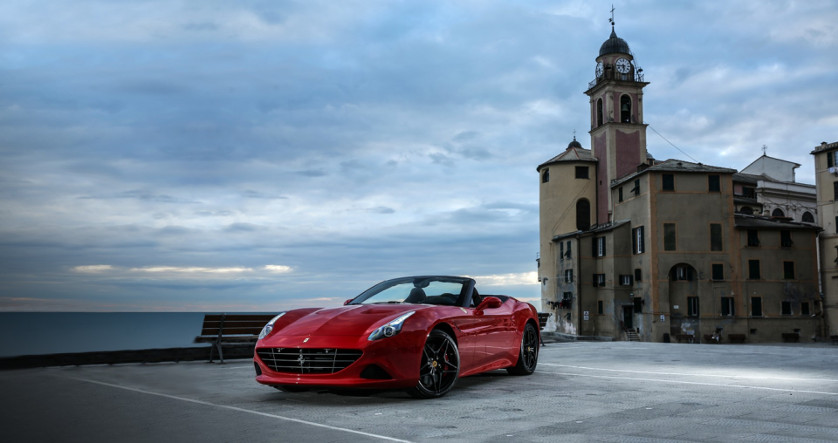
{"type": "Point", "coordinates": [614, 45]}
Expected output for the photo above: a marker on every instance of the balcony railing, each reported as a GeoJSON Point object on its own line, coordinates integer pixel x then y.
{"type": "Point", "coordinates": [610, 74]}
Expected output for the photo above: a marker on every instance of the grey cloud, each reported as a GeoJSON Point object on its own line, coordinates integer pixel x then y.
{"type": "Point", "coordinates": [242, 227]}
{"type": "Point", "coordinates": [249, 193]}
{"type": "Point", "coordinates": [381, 210]}
{"type": "Point", "coordinates": [197, 143]}
{"type": "Point", "coordinates": [312, 173]}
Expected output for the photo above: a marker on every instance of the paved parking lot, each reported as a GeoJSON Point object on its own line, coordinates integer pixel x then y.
{"type": "Point", "coordinates": [581, 391]}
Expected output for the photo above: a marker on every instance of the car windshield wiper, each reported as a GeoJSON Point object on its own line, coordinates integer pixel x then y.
{"type": "Point", "coordinates": [387, 302]}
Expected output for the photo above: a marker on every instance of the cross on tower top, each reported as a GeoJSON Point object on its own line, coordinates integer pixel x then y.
{"type": "Point", "coordinates": [612, 16]}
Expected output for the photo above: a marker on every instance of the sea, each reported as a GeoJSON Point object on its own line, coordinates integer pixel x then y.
{"type": "Point", "coordinates": [39, 333]}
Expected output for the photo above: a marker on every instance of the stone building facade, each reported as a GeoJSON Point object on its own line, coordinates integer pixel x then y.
{"type": "Point", "coordinates": [826, 178]}
{"type": "Point", "coordinates": [631, 247]}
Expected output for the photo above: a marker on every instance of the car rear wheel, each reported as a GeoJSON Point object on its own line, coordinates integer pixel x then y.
{"type": "Point", "coordinates": [439, 366]}
{"type": "Point", "coordinates": [528, 356]}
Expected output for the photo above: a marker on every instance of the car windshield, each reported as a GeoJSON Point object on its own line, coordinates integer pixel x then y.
{"type": "Point", "coordinates": [425, 290]}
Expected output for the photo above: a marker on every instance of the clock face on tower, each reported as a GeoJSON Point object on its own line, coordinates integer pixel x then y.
{"type": "Point", "coordinates": [599, 69]}
{"type": "Point", "coordinates": [623, 66]}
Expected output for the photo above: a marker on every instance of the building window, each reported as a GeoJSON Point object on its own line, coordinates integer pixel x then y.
{"type": "Point", "coordinates": [778, 213]}
{"type": "Point", "coordinates": [581, 172]}
{"type": "Point", "coordinates": [753, 270]}
{"type": "Point", "coordinates": [746, 210]}
{"type": "Point", "coordinates": [545, 176]}
{"type": "Point", "coordinates": [567, 250]}
{"type": "Point", "coordinates": [727, 307]}
{"type": "Point", "coordinates": [583, 214]}
{"type": "Point", "coordinates": [599, 309]}
{"type": "Point", "coordinates": [638, 305]}
{"type": "Point", "coordinates": [716, 237]}
{"type": "Point", "coordinates": [638, 275]}
{"type": "Point", "coordinates": [625, 109]}
{"type": "Point", "coordinates": [692, 306]}
{"type": "Point", "coordinates": [669, 236]}
{"type": "Point", "coordinates": [786, 308]}
{"type": "Point", "coordinates": [598, 247]}
{"type": "Point", "coordinates": [668, 182]}
{"type": "Point", "coordinates": [804, 308]}
{"type": "Point", "coordinates": [599, 279]}
{"type": "Point", "coordinates": [568, 276]}
{"type": "Point", "coordinates": [830, 158]}
{"type": "Point", "coordinates": [561, 251]}
{"type": "Point", "coordinates": [788, 270]}
{"type": "Point", "coordinates": [718, 271]}
{"type": "Point", "coordinates": [808, 217]}
{"type": "Point", "coordinates": [753, 237]}
{"type": "Point", "coordinates": [620, 195]}
{"type": "Point", "coordinates": [835, 190]}
{"type": "Point", "coordinates": [749, 192]}
{"type": "Point", "coordinates": [599, 112]}
{"type": "Point", "coordinates": [567, 300]}
{"type": "Point", "coordinates": [714, 184]}
{"type": "Point", "coordinates": [681, 272]}
{"type": "Point", "coordinates": [785, 238]}
{"type": "Point", "coordinates": [625, 280]}
{"type": "Point", "coordinates": [638, 244]}
{"type": "Point", "coordinates": [756, 306]}
{"type": "Point", "coordinates": [636, 189]}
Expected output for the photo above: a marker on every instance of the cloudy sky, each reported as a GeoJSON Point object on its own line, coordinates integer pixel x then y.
{"type": "Point", "coordinates": [261, 155]}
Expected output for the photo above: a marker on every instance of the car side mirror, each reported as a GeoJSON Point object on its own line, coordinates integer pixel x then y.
{"type": "Point", "coordinates": [488, 303]}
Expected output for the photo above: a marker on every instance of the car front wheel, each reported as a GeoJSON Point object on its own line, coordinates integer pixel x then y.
{"type": "Point", "coordinates": [439, 366]}
{"type": "Point", "coordinates": [528, 356]}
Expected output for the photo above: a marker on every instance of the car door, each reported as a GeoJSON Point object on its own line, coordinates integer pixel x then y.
{"type": "Point", "coordinates": [499, 336]}
{"type": "Point", "coordinates": [485, 332]}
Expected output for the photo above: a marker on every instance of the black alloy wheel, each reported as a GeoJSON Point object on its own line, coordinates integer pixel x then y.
{"type": "Point", "coordinates": [528, 357]}
{"type": "Point", "coordinates": [439, 366]}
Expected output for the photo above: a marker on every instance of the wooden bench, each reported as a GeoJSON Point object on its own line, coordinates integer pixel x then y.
{"type": "Point", "coordinates": [713, 339]}
{"type": "Point", "coordinates": [736, 338]}
{"type": "Point", "coordinates": [791, 337]}
{"type": "Point", "coordinates": [689, 338]}
{"type": "Point", "coordinates": [231, 329]}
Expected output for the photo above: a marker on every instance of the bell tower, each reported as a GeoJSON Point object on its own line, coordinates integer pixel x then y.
{"type": "Point", "coordinates": [618, 134]}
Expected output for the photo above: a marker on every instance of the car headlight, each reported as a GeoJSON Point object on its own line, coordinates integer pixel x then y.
{"type": "Point", "coordinates": [390, 329]}
{"type": "Point", "coordinates": [270, 326]}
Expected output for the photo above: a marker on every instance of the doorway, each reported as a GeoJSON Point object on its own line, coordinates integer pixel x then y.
{"type": "Point", "coordinates": [628, 315]}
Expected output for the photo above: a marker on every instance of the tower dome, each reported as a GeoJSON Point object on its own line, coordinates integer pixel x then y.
{"type": "Point", "coordinates": [574, 144]}
{"type": "Point", "coordinates": [614, 44]}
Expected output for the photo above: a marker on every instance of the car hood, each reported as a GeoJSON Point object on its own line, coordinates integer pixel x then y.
{"type": "Point", "coordinates": [350, 320]}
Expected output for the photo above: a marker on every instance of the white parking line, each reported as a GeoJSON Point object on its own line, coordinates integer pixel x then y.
{"type": "Point", "coordinates": [693, 374]}
{"type": "Point", "coordinates": [682, 382]}
{"type": "Point", "coordinates": [234, 408]}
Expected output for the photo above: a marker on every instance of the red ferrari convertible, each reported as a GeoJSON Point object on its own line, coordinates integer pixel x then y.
{"type": "Point", "coordinates": [414, 333]}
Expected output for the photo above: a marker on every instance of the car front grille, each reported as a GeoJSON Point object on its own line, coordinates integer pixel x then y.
{"type": "Point", "coordinates": [308, 361]}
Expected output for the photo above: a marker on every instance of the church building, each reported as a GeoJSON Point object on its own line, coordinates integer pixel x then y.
{"type": "Point", "coordinates": [632, 248]}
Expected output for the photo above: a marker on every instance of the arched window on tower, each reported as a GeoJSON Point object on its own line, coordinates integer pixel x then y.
{"type": "Point", "coordinates": [778, 213]}
{"type": "Point", "coordinates": [808, 217]}
{"type": "Point", "coordinates": [599, 112]}
{"type": "Point", "coordinates": [583, 214]}
{"type": "Point", "coordinates": [625, 109]}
